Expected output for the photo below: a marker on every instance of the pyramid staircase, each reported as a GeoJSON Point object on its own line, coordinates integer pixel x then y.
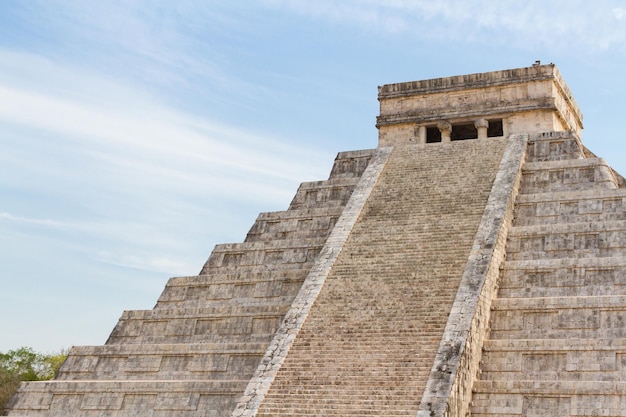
{"type": "Point", "coordinates": [195, 351]}
{"type": "Point", "coordinates": [369, 341]}
{"type": "Point", "coordinates": [557, 343]}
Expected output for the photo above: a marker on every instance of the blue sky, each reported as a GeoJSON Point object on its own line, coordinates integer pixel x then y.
{"type": "Point", "coordinates": [135, 135]}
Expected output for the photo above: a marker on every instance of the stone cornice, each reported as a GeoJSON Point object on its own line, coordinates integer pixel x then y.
{"type": "Point", "coordinates": [481, 109]}
{"type": "Point", "coordinates": [464, 82]}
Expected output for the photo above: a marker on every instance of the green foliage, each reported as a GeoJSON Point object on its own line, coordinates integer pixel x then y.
{"type": "Point", "coordinates": [24, 364]}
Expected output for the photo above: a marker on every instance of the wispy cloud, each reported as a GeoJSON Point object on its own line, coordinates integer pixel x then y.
{"type": "Point", "coordinates": [157, 132]}
{"type": "Point", "coordinates": [169, 49]}
{"type": "Point", "coordinates": [40, 222]}
{"type": "Point", "coordinates": [145, 261]}
{"type": "Point", "coordinates": [127, 124]}
{"type": "Point", "coordinates": [139, 31]}
{"type": "Point", "coordinates": [571, 24]}
{"type": "Point", "coordinates": [121, 162]}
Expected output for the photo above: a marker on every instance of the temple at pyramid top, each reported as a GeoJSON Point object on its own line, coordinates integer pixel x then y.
{"type": "Point", "coordinates": [489, 104]}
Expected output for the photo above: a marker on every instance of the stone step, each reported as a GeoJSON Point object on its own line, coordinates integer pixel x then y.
{"type": "Point", "coordinates": [295, 411]}
{"type": "Point", "coordinates": [393, 367]}
{"type": "Point", "coordinates": [211, 361]}
{"type": "Point", "coordinates": [252, 300]}
{"type": "Point", "coordinates": [370, 358]}
{"type": "Point", "coordinates": [549, 264]}
{"type": "Point", "coordinates": [267, 246]}
{"type": "Point", "coordinates": [567, 240]}
{"type": "Point", "coordinates": [554, 146]}
{"type": "Point", "coordinates": [621, 181]}
{"type": "Point", "coordinates": [428, 335]}
{"type": "Point", "coordinates": [245, 270]}
{"type": "Point", "coordinates": [558, 303]}
{"type": "Point", "coordinates": [380, 400]}
{"type": "Point", "coordinates": [337, 401]}
{"type": "Point", "coordinates": [280, 286]}
{"type": "Point", "coordinates": [558, 317]}
{"type": "Point", "coordinates": [343, 397]}
{"type": "Point", "coordinates": [345, 377]}
{"type": "Point", "coordinates": [193, 338]}
{"type": "Point", "coordinates": [328, 193]}
{"type": "Point", "coordinates": [549, 398]}
{"type": "Point", "coordinates": [564, 277]}
{"type": "Point", "coordinates": [598, 204]}
{"type": "Point", "coordinates": [174, 313]}
{"type": "Point", "coordinates": [219, 324]}
{"type": "Point", "coordinates": [294, 224]}
{"type": "Point", "coordinates": [240, 276]}
{"type": "Point", "coordinates": [230, 266]}
{"type": "Point", "coordinates": [336, 410]}
{"type": "Point", "coordinates": [555, 345]}
{"type": "Point", "coordinates": [126, 398]}
{"type": "Point", "coordinates": [203, 297]}
{"type": "Point", "coordinates": [344, 391]}
{"type": "Point", "coordinates": [230, 256]}
{"type": "Point", "coordinates": [351, 163]}
{"type": "Point", "coordinates": [549, 360]}
{"type": "Point", "coordinates": [568, 175]}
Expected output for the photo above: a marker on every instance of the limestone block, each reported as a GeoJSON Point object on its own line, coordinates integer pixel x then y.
{"type": "Point", "coordinates": [351, 163]}
{"type": "Point", "coordinates": [546, 406]}
{"type": "Point", "coordinates": [177, 401]}
{"type": "Point", "coordinates": [97, 401]}
{"type": "Point", "coordinates": [266, 254]}
{"type": "Point", "coordinates": [38, 401]}
{"type": "Point", "coordinates": [578, 206]}
{"type": "Point", "coordinates": [330, 192]}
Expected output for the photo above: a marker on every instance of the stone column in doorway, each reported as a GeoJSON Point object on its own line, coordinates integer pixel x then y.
{"type": "Point", "coordinates": [446, 129]}
{"type": "Point", "coordinates": [481, 126]}
{"type": "Point", "coordinates": [421, 134]}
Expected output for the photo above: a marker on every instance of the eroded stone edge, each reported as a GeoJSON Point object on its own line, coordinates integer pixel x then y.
{"type": "Point", "coordinates": [448, 391]}
{"type": "Point", "coordinates": [275, 355]}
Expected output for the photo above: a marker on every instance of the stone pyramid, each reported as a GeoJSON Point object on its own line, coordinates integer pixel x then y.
{"type": "Point", "coordinates": [473, 264]}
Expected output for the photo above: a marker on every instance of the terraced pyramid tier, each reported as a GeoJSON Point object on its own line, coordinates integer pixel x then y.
{"type": "Point", "coordinates": [556, 346]}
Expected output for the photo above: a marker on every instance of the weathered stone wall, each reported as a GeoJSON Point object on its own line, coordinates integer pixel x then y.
{"type": "Point", "coordinates": [556, 341]}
